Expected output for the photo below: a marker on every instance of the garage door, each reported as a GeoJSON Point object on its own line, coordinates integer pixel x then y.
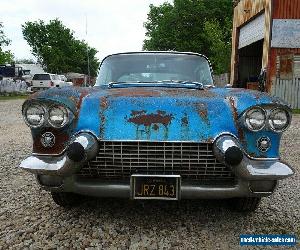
{"type": "Point", "coordinates": [252, 31]}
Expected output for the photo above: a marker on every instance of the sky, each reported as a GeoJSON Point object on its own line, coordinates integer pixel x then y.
{"type": "Point", "coordinates": [112, 25]}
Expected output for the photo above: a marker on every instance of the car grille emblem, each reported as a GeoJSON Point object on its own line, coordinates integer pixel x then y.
{"type": "Point", "coordinates": [263, 143]}
{"type": "Point", "coordinates": [48, 140]}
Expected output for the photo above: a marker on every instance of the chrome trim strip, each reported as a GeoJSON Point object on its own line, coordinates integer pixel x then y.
{"type": "Point", "coordinates": [54, 155]}
{"type": "Point", "coordinates": [187, 190]}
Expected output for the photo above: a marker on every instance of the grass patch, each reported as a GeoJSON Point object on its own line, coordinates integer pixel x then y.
{"type": "Point", "coordinates": [296, 111]}
{"type": "Point", "coordinates": [12, 97]}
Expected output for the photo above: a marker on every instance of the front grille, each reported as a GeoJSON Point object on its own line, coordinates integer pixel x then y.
{"type": "Point", "coordinates": [193, 161]}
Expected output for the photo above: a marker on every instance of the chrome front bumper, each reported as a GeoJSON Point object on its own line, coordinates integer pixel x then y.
{"type": "Point", "coordinates": [246, 172]}
{"type": "Point", "coordinates": [63, 168]}
{"type": "Point", "coordinates": [248, 169]}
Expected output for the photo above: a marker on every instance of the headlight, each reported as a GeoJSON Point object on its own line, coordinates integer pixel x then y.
{"type": "Point", "coordinates": [58, 116]}
{"type": "Point", "coordinates": [255, 119]}
{"type": "Point", "coordinates": [34, 115]}
{"type": "Point", "coordinates": [279, 120]}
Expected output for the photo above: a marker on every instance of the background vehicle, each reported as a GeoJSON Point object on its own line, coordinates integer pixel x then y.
{"type": "Point", "coordinates": [64, 81]}
{"type": "Point", "coordinates": [44, 81]}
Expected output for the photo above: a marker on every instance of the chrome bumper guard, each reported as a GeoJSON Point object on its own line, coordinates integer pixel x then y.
{"type": "Point", "coordinates": [62, 165]}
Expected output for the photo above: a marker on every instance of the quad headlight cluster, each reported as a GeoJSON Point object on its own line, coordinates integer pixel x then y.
{"type": "Point", "coordinates": [258, 118]}
{"type": "Point", "coordinates": [37, 115]}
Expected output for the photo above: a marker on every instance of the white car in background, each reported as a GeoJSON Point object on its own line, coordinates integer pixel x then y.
{"type": "Point", "coordinates": [65, 82]}
{"type": "Point", "coordinates": [44, 81]}
{"type": "Point", "coordinates": [47, 80]}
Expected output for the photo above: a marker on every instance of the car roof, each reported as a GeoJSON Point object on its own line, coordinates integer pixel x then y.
{"type": "Point", "coordinates": [157, 52]}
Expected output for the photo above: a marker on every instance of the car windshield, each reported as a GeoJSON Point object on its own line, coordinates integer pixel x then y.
{"type": "Point", "coordinates": [154, 67]}
{"type": "Point", "coordinates": [41, 77]}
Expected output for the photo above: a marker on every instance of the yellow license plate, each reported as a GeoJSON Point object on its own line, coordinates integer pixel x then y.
{"type": "Point", "coordinates": [156, 187]}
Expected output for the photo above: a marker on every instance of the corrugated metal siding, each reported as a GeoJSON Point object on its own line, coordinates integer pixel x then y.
{"type": "Point", "coordinates": [272, 68]}
{"type": "Point", "coordinates": [252, 31]}
{"type": "Point", "coordinates": [286, 9]}
{"type": "Point", "coordinates": [288, 90]}
{"type": "Point", "coordinates": [286, 33]}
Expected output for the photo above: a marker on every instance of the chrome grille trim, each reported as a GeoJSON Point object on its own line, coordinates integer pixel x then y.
{"type": "Point", "coordinates": [120, 159]}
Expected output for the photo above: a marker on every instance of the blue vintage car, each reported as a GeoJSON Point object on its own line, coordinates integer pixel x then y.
{"type": "Point", "coordinates": [155, 127]}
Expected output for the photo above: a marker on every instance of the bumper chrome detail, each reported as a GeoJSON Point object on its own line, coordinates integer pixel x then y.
{"type": "Point", "coordinates": [158, 158]}
{"type": "Point", "coordinates": [61, 165]}
{"type": "Point", "coordinates": [262, 170]}
{"type": "Point", "coordinates": [187, 190]}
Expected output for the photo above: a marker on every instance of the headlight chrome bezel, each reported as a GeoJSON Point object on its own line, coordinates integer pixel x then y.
{"type": "Point", "coordinates": [65, 111]}
{"type": "Point", "coordinates": [253, 109]}
{"type": "Point", "coordinates": [46, 122]}
{"type": "Point", "coordinates": [272, 114]}
{"type": "Point", "coordinates": [269, 112]}
{"type": "Point", "coordinates": [25, 116]}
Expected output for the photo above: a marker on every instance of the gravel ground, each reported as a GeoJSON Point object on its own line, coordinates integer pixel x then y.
{"type": "Point", "coordinates": [29, 218]}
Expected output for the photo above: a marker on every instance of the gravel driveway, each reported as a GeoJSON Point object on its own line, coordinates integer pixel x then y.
{"type": "Point", "coordinates": [29, 218]}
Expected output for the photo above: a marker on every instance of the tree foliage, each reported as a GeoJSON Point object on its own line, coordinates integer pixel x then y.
{"type": "Point", "coordinates": [56, 48]}
{"type": "Point", "coordinates": [202, 26]}
{"type": "Point", "coordinates": [5, 56]}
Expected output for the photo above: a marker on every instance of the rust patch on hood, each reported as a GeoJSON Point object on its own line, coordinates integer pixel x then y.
{"type": "Point", "coordinates": [203, 114]}
{"type": "Point", "coordinates": [155, 127]}
{"type": "Point", "coordinates": [83, 94]}
{"type": "Point", "coordinates": [134, 113]}
{"type": "Point", "coordinates": [185, 121]}
{"type": "Point", "coordinates": [233, 108]}
{"type": "Point", "coordinates": [190, 92]}
{"type": "Point", "coordinates": [159, 92]}
{"type": "Point", "coordinates": [202, 111]}
{"type": "Point", "coordinates": [103, 107]}
{"type": "Point", "coordinates": [134, 92]}
{"type": "Point", "coordinates": [232, 104]}
{"type": "Point", "coordinates": [142, 118]}
{"type": "Point", "coordinates": [103, 102]}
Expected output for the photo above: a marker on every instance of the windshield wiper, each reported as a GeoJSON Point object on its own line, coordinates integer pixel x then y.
{"type": "Point", "coordinates": [110, 84]}
{"type": "Point", "coordinates": [200, 85]}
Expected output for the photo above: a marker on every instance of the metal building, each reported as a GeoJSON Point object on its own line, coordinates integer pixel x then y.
{"type": "Point", "coordinates": [266, 36]}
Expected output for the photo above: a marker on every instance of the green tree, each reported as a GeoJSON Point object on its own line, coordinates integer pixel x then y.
{"type": "Point", "coordinates": [220, 47]}
{"type": "Point", "coordinates": [56, 48]}
{"type": "Point", "coordinates": [5, 56]}
{"type": "Point", "coordinates": [202, 26]}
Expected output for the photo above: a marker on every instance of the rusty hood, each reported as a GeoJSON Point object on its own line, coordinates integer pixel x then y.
{"type": "Point", "coordinates": [165, 114]}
